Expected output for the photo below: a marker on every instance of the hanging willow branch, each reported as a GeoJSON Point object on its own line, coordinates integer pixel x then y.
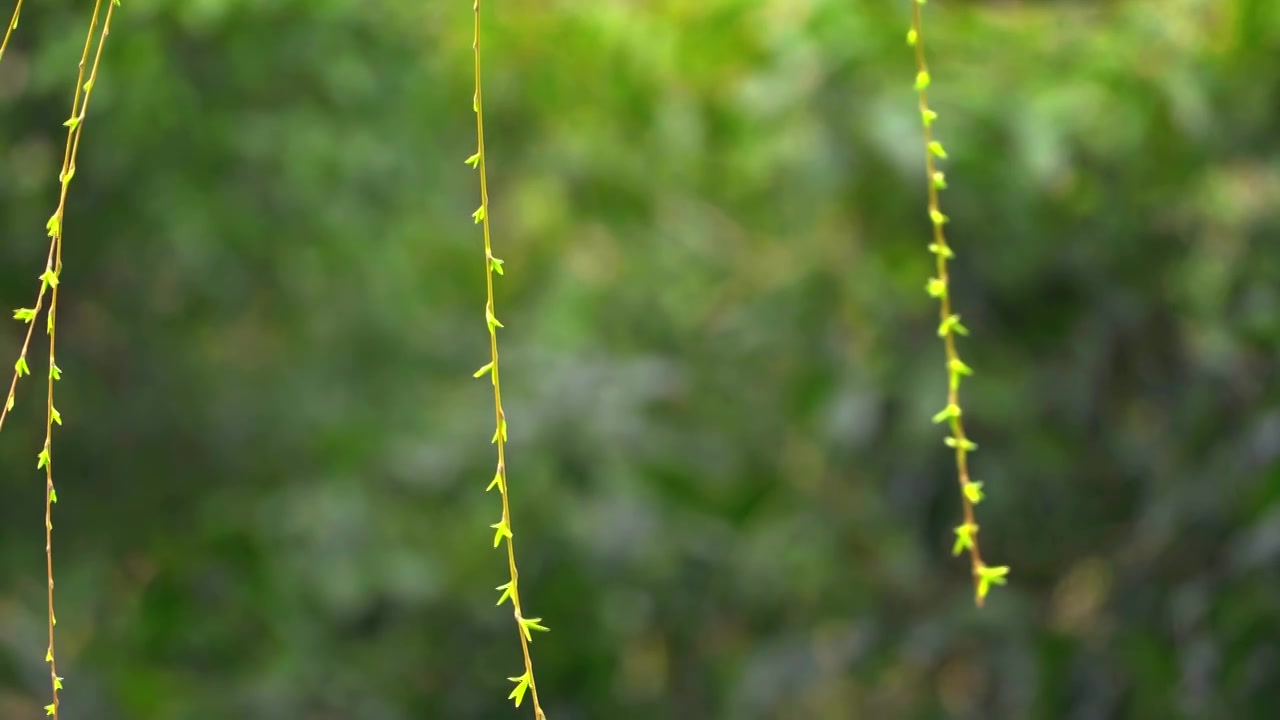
{"type": "Point", "coordinates": [524, 683]}
{"type": "Point", "coordinates": [49, 283]}
{"type": "Point", "coordinates": [949, 326]}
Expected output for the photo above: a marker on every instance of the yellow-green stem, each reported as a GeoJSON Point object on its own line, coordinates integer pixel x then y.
{"type": "Point", "coordinates": [50, 280]}
{"type": "Point", "coordinates": [512, 590]}
{"type": "Point", "coordinates": [8, 29]}
{"type": "Point", "coordinates": [949, 326]}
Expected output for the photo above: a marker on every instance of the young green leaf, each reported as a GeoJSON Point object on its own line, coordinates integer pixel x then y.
{"type": "Point", "coordinates": [947, 413]}
{"type": "Point", "coordinates": [959, 368]}
{"type": "Point", "coordinates": [943, 250]}
{"type": "Point", "coordinates": [964, 538]}
{"type": "Point", "coordinates": [527, 624]}
{"type": "Point", "coordinates": [522, 685]}
{"type": "Point", "coordinates": [973, 492]}
{"type": "Point", "coordinates": [988, 576]}
{"type": "Point", "coordinates": [500, 530]}
{"type": "Point", "coordinates": [506, 592]}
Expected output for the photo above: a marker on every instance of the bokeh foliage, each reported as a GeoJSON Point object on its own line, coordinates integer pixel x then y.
{"type": "Point", "coordinates": [719, 363]}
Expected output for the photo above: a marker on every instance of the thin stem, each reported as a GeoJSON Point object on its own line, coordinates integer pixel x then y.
{"type": "Point", "coordinates": [949, 327]}
{"type": "Point", "coordinates": [13, 25]}
{"type": "Point", "coordinates": [50, 281]}
{"type": "Point", "coordinates": [492, 264]}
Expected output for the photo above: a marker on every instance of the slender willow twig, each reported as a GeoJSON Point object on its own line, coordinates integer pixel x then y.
{"type": "Point", "coordinates": [49, 282]}
{"type": "Point", "coordinates": [949, 327]}
{"type": "Point", "coordinates": [502, 529]}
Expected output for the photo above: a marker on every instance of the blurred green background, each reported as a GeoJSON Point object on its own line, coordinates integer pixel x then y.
{"type": "Point", "coordinates": [719, 360]}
